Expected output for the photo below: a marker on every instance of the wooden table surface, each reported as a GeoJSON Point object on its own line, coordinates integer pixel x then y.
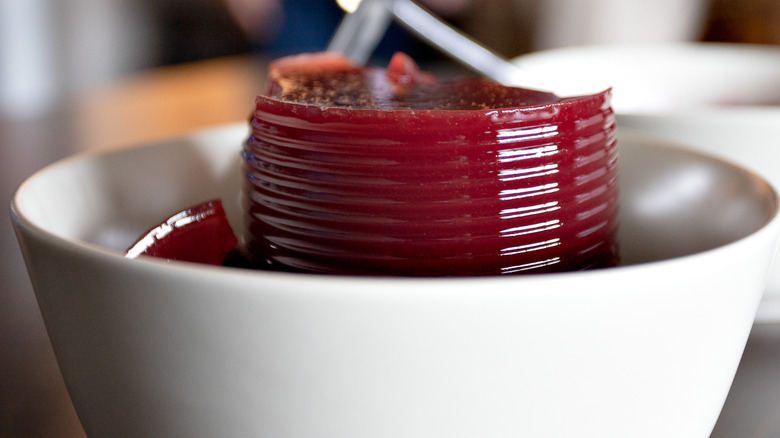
{"type": "Point", "coordinates": [169, 102]}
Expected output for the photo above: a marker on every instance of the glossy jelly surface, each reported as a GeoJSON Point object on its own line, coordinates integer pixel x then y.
{"type": "Point", "coordinates": [386, 190]}
{"type": "Point", "coordinates": [198, 234]}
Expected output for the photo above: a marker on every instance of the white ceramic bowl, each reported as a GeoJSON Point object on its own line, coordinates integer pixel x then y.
{"type": "Point", "coordinates": [155, 348]}
{"type": "Point", "coordinates": [717, 98]}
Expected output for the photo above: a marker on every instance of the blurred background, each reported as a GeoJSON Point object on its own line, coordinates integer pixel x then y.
{"type": "Point", "coordinates": [53, 49]}
{"type": "Point", "coordinates": [92, 74]}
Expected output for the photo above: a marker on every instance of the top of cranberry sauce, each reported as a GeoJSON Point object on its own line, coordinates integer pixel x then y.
{"type": "Point", "coordinates": [330, 80]}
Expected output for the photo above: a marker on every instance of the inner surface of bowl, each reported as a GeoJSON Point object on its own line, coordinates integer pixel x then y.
{"type": "Point", "coordinates": [155, 348]}
{"type": "Point", "coordinates": [665, 194]}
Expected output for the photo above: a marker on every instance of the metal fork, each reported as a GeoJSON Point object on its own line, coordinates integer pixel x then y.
{"type": "Point", "coordinates": [361, 31]}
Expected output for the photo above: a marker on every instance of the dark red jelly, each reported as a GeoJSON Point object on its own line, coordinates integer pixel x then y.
{"type": "Point", "coordinates": [198, 234]}
{"type": "Point", "coordinates": [366, 171]}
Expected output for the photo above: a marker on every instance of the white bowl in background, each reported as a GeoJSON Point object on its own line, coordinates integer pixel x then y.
{"type": "Point", "coordinates": [155, 348]}
{"type": "Point", "coordinates": [722, 99]}
{"type": "Point", "coordinates": [661, 77]}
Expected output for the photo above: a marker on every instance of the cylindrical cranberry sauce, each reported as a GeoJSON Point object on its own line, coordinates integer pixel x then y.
{"type": "Point", "coordinates": [433, 192]}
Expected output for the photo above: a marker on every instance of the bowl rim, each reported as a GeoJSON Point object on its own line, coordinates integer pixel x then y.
{"type": "Point", "coordinates": [23, 223]}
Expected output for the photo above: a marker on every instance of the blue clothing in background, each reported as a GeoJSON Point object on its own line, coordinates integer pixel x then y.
{"type": "Point", "coordinates": [309, 24]}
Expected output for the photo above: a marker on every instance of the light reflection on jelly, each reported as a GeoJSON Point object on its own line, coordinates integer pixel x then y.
{"type": "Point", "coordinates": [532, 266]}
{"type": "Point", "coordinates": [534, 246]}
{"type": "Point", "coordinates": [516, 212]}
{"type": "Point", "coordinates": [524, 153]}
{"type": "Point", "coordinates": [516, 135]}
{"type": "Point", "coordinates": [536, 227]}
{"type": "Point", "coordinates": [532, 172]}
{"type": "Point", "coordinates": [525, 192]}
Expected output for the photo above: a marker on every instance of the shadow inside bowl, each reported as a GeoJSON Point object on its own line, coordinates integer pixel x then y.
{"type": "Point", "coordinates": [676, 203]}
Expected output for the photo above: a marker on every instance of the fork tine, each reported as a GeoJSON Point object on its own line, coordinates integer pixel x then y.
{"type": "Point", "coordinates": [360, 32]}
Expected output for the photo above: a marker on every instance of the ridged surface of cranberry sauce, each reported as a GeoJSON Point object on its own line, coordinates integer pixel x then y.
{"type": "Point", "coordinates": [389, 172]}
